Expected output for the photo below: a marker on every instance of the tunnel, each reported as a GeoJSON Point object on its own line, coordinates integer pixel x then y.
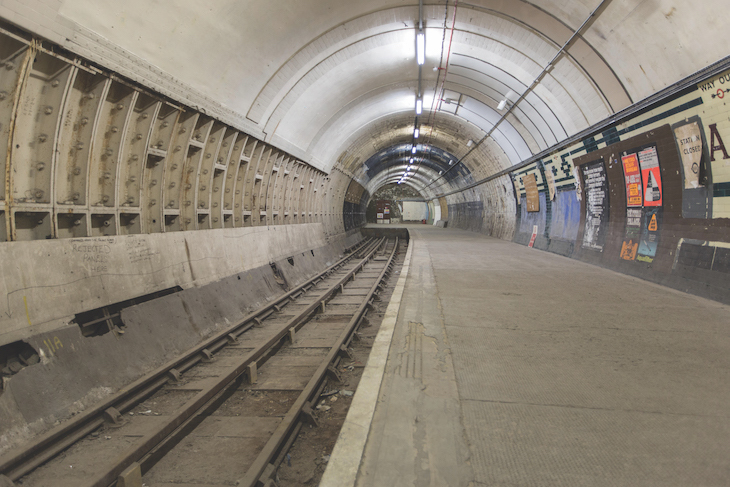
{"type": "Point", "coordinates": [170, 166]}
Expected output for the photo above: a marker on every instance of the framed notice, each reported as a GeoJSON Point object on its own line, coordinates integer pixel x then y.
{"type": "Point", "coordinates": [632, 176]}
{"type": "Point", "coordinates": [596, 187]}
{"type": "Point", "coordinates": [532, 196]}
{"type": "Point", "coordinates": [689, 140]}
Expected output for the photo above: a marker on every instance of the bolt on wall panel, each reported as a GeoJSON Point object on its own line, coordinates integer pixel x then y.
{"type": "Point", "coordinates": [13, 55]}
{"type": "Point", "coordinates": [108, 141]}
{"type": "Point", "coordinates": [36, 125]}
{"type": "Point", "coordinates": [155, 167]}
{"type": "Point", "coordinates": [76, 134]}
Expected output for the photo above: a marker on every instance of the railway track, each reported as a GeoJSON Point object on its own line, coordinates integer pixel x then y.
{"type": "Point", "coordinates": [226, 412]}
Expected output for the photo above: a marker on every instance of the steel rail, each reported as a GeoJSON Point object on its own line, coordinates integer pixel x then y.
{"type": "Point", "coordinates": [284, 429]}
{"type": "Point", "coordinates": [16, 464]}
{"type": "Point", "coordinates": [158, 434]}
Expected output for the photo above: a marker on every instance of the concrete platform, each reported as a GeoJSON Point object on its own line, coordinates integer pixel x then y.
{"type": "Point", "coordinates": [510, 366]}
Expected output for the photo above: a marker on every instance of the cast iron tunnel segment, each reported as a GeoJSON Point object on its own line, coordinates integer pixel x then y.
{"type": "Point", "coordinates": [243, 350]}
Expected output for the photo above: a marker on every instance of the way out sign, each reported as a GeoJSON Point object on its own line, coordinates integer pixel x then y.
{"type": "Point", "coordinates": [651, 177]}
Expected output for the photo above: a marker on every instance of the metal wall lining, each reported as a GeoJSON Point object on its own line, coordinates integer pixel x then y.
{"type": "Point", "coordinates": [87, 154]}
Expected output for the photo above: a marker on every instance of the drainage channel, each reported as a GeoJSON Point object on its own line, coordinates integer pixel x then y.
{"type": "Point", "coordinates": [201, 419]}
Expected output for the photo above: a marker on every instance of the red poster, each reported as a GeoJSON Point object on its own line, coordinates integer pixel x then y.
{"type": "Point", "coordinates": [651, 174]}
{"type": "Point", "coordinates": [632, 175]}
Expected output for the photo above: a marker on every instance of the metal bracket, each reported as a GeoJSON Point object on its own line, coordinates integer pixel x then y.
{"type": "Point", "coordinates": [308, 415]}
{"type": "Point", "coordinates": [334, 374]}
{"type": "Point", "coordinates": [113, 416]}
{"type": "Point", "coordinates": [174, 375]}
{"type": "Point", "coordinates": [346, 352]}
{"type": "Point", "coordinates": [131, 477]}
{"type": "Point", "coordinates": [207, 356]}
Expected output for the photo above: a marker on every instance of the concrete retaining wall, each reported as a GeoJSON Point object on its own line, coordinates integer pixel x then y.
{"type": "Point", "coordinates": [76, 371]}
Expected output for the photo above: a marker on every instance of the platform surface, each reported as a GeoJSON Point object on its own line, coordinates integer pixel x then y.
{"type": "Point", "coordinates": [510, 366]}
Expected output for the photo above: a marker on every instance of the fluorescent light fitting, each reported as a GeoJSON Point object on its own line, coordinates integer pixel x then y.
{"type": "Point", "coordinates": [421, 48]}
{"type": "Point", "coordinates": [416, 133]}
{"type": "Point", "coordinates": [411, 161]}
{"type": "Point", "coordinates": [469, 143]}
{"type": "Point", "coordinates": [502, 104]}
{"type": "Point", "coordinates": [419, 106]}
{"type": "Point", "coordinates": [451, 161]}
{"type": "Point", "coordinates": [413, 151]}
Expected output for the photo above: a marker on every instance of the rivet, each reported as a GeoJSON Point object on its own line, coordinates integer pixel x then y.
{"type": "Point", "coordinates": [107, 175]}
{"type": "Point", "coordinates": [107, 223]}
{"type": "Point", "coordinates": [79, 145]}
{"type": "Point", "coordinates": [75, 196]}
{"type": "Point", "coordinates": [183, 130]}
{"type": "Point", "coordinates": [208, 156]}
{"type": "Point", "coordinates": [212, 139]}
{"type": "Point", "coordinates": [55, 83]}
{"type": "Point", "coordinates": [120, 106]}
{"type": "Point", "coordinates": [109, 152]}
{"type": "Point", "coordinates": [235, 147]}
{"type": "Point", "coordinates": [228, 190]}
{"type": "Point", "coordinates": [138, 136]}
{"type": "Point", "coordinates": [3, 95]}
{"type": "Point", "coordinates": [215, 190]}
{"type": "Point", "coordinates": [205, 171]}
{"type": "Point", "coordinates": [172, 203]}
{"type": "Point", "coordinates": [187, 221]}
{"type": "Point", "coordinates": [39, 222]}
{"type": "Point", "coordinates": [48, 110]}
{"type": "Point", "coordinates": [215, 204]}
{"type": "Point", "coordinates": [153, 182]}
{"type": "Point", "coordinates": [188, 186]}
{"type": "Point", "coordinates": [215, 219]}
{"type": "Point", "coordinates": [9, 66]}
{"type": "Point", "coordinates": [153, 202]}
{"type": "Point", "coordinates": [172, 184]}
{"type": "Point", "coordinates": [173, 167]}
{"type": "Point", "coordinates": [42, 138]}
{"type": "Point", "coordinates": [38, 194]}
{"type": "Point", "coordinates": [40, 166]}
{"type": "Point", "coordinates": [84, 120]}
{"type": "Point", "coordinates": [90, 96]}
{"type": "Point", "coordinates": [165, 124]}
{"type": "Point", "coordinates": [220, 159]}
{"type": "Point", "coordinates": [115, 130]}
{"type": "Point", "coordinates": [178, 148]}
{"type": "Point", "coordinates": [202, 188]}
{"type": "Point", "coordinates": [238, 192]}
{"type": "Point", "coordinates": [130, 199]}
{"type": "Point", "coordinates": [135, 157]}
{"type": "Point", "coordinates": [145, 116]}
{"type": "Point", "coordinates": [77, 222]}
{"type": "Point", "coordinates": [202, 205]}
{"type": "Point", "coordinates": [77, 171]}
{"type": "Point", "coordinates": [225, 144]}
{"type": "Point", "coordinates": [132, 179]}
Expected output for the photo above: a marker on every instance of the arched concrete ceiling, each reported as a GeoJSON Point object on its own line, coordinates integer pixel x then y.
{"type": "Point", "coordinates": [335, 81]}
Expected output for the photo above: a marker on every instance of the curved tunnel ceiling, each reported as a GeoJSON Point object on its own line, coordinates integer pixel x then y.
{"type": "Point", "coordinates": [334, 82]}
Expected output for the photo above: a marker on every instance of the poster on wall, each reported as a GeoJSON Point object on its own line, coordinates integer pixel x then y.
{"type": "Point", "coordinates": [689, 140]}
{"type": "Point", "coordinates": [578, 187]}
{"type": "Point", "coordinates": [651, 176]}
{"type": "Point", "coordinates": [532, 196]}
{"type": "Point", "coordinates": [632, 176]}
{"type": "Point", "coordinates": [649, 242]}
{"type": "Point", "coordinates": [596, 184]}
{"type": "Point", "coordinates": [550, 182]}
{"type": "Point", "coordinates": [630, 245]}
